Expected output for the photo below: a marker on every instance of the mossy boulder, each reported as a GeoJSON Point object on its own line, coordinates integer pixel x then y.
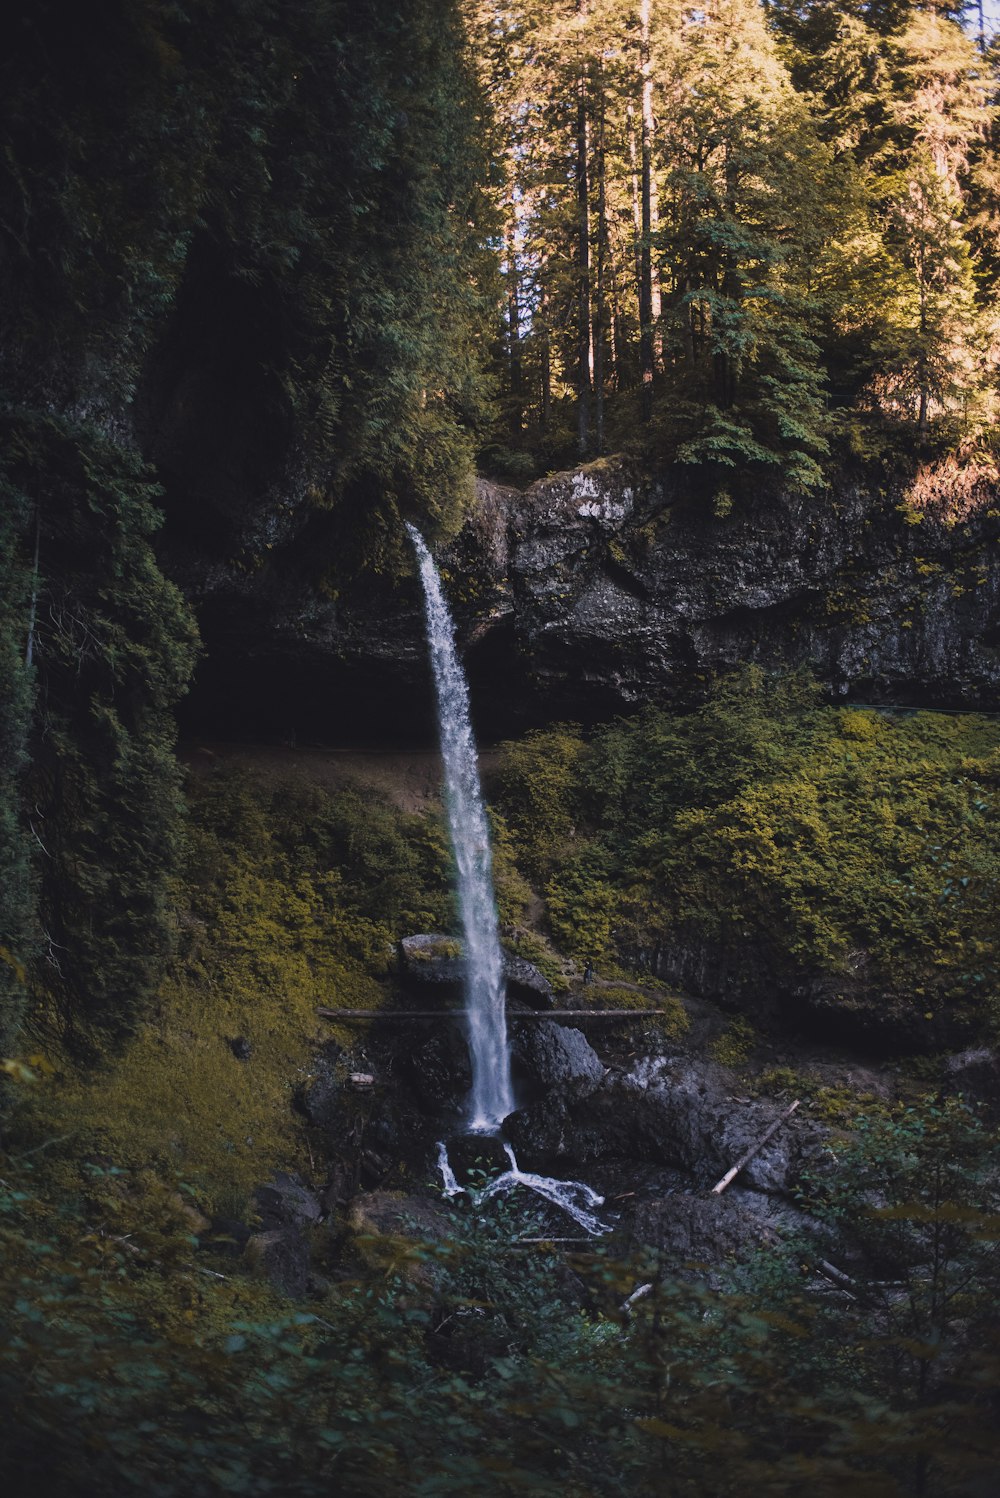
{"type": "Point", "coordinates": [430, 958]}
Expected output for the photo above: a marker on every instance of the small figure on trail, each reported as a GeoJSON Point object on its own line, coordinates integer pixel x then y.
{"type": "Point", "coordinates": [588, 973]}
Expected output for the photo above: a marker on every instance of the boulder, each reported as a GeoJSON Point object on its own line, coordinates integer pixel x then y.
{"type": "Point", "coordinates": [430, 958]}
{"type": "Point", "coordinates": [281, 1256]}
{"type": "Point", "coordinates": [703, 1230]}
{"type": "Point", "coordinates": [318, 1098]}
{"type": "Point", "coordinates": [526, 982]}
{"type": "Point", "coordinates": [227, 1235]}
{"type": "Point", "coordinates": [975, 1074]}
{"type": "Point", "coordinates": [543, 1135]}
{"type": "Point", "coordinates": [687, 1111]}
{"type": "Point", "coordinates": [391, 1213]}
{"type": "Point", "coordinates": [381, 1223]}
{"type": "Point", "coordinates": [678, 1112]}
{"type": "Point", "coordinates": [286, 1202]}
{"type": "Point", "coordinates": [556, 1056]}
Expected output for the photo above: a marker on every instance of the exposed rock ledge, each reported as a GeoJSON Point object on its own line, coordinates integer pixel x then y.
{"type": "Point", "coordinates": [601, 588]}
{"type": "Point", "coordinates": [431, 958]}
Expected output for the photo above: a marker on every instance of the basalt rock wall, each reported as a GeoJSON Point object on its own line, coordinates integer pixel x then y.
{"type": "Point", "coordinates": [597, 590]}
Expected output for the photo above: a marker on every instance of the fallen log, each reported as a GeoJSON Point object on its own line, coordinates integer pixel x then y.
{"type": "Point", "coordinates": [732, 1173]}
{"type": "Point", "coordinates": [577, 1014]}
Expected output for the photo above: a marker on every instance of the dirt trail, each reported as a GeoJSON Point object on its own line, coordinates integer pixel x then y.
{"type": "Point", "coordinates": [410, 779]}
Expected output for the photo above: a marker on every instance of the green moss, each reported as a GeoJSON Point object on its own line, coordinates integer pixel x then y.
{"type": "Point", "coordinates": [294, 898]}
{"type": "Point", "coordinates": [675, 1023]}
{"type": "Point", "coordinates": [734, 1045]}
{"type": "Point", "coordinates": [792, 840]}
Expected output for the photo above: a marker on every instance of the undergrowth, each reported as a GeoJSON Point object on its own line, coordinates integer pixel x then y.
{"type": "Point", "coordinates": [783, 845]}
{"type": "Point", "coordinates": [293, 897]}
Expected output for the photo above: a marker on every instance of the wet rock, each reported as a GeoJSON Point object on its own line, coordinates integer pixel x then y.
{"type": "Point", "coordinates": [704, 1230]}
{"type": "Point", "coordinates": [556, 1056]}
{"type": "Point", "coordinates": [473, 1156]}
{"type": "Point", "coordinates": [687, 1112]}
{"type": "Point", "coordinates": [543, 1135]}
{"type": "Point", "coordinates": [525, 981]}
{"type": "Point", "coordinates": [437, 1066]}
{"type": "Point", "coordinates": [281, 1256]}
{"type": "Point", "coordinates": [286, 1202]}
{"type": "Point", "coordinates": [318, 1098]}
{"type": "Point", "coordinates": [678, 1112]}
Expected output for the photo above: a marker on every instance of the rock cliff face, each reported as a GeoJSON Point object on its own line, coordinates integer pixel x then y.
{"type": "Point", "coordinates": [600, 589]}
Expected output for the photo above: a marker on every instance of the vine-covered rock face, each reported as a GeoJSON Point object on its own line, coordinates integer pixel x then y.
{"type": "Point", "coordinates": [599, 589]}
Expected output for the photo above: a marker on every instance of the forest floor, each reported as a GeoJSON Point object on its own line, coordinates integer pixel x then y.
{"type": "Point", "coordinates": [410, 780]}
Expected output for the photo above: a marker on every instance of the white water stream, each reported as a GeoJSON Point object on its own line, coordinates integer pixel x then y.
{"type": "Point", "coordinates": [492, 1095]}
{"type": "Point", "coordinates": [573, 1197]}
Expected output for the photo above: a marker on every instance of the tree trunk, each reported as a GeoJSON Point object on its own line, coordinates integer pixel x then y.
{"type": "Point", "coordinates": [583, 376]}
{"type": "Point", "coordinates": [545, 331]}
{"type": "Point", "coordinates": [514, 326]}
{"type": "Point", "coordinates": [646, 213]}
{"type": "Point", "coordinates": [600, 313]}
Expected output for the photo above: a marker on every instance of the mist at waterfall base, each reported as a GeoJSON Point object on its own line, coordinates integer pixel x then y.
{"type": "Point", "coordinates": [492, 1095]}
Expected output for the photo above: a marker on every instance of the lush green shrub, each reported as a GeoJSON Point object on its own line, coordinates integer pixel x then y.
{"type": "Point", "coordinates": [113, 645]}
{"type": "Point", "coordinates": [792, 842]}
{"type": "Point", "coordinates": [486, 1363]}
{"type": "Point", "coordinates": [536, 789]}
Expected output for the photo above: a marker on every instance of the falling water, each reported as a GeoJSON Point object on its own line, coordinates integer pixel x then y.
{"type": "Point", "coordinates": [573, 1197]}
{"type": "Point", "coordinates": [492, 1096]}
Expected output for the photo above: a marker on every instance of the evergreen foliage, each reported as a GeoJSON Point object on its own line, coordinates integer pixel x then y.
{"type": "Point", "coordinates": [740, 232]}
{"type": "Point", "coordinates": [113, 645]}
{"type": "Point", "coordinates": [241, 255]}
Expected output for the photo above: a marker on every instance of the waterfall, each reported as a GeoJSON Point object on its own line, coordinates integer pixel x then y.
{"type": "Point", "coordinates": [492, 1096]}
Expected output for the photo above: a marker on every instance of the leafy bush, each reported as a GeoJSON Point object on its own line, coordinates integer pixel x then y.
{"type": "Point", "coordinates": [794, 844]}
{"type": "Point", "coordinates": [504, 1369]}
{"type": "Point", "coordinates": [536, 788]}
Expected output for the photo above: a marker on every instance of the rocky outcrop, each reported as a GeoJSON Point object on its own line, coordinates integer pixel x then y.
{"type": "Point", "coordinates": [695, 1231]}
{"type": "Point", "coordinates": [438, 961]}
{"type": "Point", "coordinates": [557, 1056]}
{"type": "Point", "coordinates": [600, 588]}
{"type": "Point", "coordinates": [680, 1112]}
{"type": "Point", "coordinates": [624, 587]}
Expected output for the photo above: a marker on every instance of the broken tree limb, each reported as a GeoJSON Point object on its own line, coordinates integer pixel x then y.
{"type": "Point", "coordinates": [836, 1276]}
{"type": "Point", "coordinates": [744, 1160]}
{"type": "Point", "coordinates": [577, 1014]}
{"type": "Point", "coordinates": [638, 1294]}
{"type": "Point", "coordinates": [550, 1239]}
